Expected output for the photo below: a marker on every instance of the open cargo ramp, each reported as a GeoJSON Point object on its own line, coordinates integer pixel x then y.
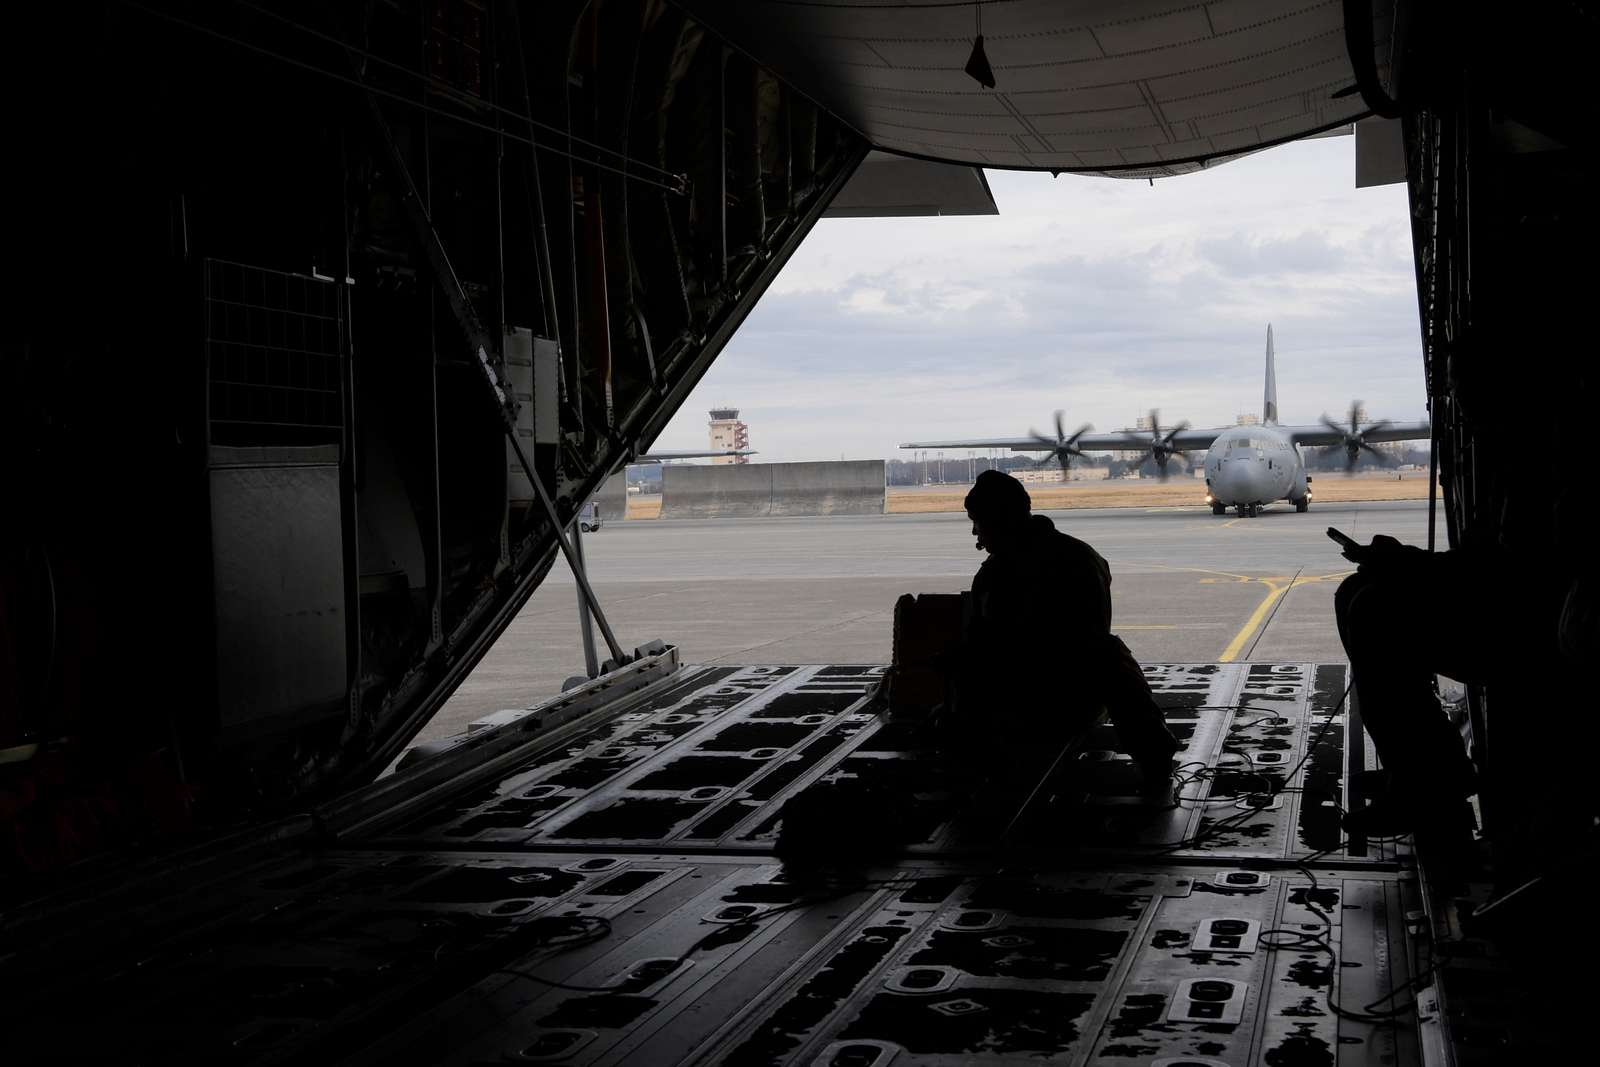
{"type": "Point", "coordinates": [605, 891]}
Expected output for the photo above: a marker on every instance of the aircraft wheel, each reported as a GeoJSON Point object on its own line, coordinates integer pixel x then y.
{"type": "Point", "coordinates": [1218, 508]}
{"type": "Point", "coordinates": [1255, 509]}
{"type": "Point", "coordinates": [585, 527]}
{"type": "Point", "coordinates": [1303, 504]}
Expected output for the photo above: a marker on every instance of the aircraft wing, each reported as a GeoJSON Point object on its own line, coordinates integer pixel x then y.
{"type": "Point", "coordinates": [1120, 441]}
{"type": "Point", "coordinates": [1396, 431]}
{"type": "Point", "coordinates": [661, 455]}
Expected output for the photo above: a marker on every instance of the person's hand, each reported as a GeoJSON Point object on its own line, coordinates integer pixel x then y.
{"type": "Point", "coordinates": [1384, 554]}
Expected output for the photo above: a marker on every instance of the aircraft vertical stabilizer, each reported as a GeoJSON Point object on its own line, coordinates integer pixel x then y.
{"type": "Point", "coordinates": [1269, 402]}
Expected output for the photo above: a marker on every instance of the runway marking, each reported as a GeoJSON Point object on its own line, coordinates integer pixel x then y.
{"type": "Point", "coordinates": [1191, 570]}
{"type": "Point", "coordinates": [1277, 587]}
{"type": "Point", "coordinates": [1254, 621]}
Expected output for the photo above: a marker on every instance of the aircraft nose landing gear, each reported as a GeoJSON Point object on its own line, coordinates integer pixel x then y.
{"type": "Point", "coordinates": [1249, 511]}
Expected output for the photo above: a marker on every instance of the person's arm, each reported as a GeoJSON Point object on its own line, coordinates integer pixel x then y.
{"type": "Point", "coordinates": [1080, 592]}
{"type": "Point", "coordinates": [1384, 554]}
{"type": "Point", "coordinates": [995, 616]}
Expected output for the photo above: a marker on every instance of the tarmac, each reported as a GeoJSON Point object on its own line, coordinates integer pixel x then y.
{"type": "Point", "coordinates": [1187, 587]}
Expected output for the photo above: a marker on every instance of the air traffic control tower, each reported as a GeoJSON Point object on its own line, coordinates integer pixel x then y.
{"type": "Point", "coordinates": [726, 431]}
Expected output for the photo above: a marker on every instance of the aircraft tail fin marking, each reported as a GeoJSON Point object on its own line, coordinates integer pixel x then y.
{"type": "Point", "coordinates": [1269, 402]}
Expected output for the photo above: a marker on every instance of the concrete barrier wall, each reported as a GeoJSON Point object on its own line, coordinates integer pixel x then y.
{"type": "Point", "coordinates": [730, 490]}
{"type": "Point", "coordinates": [612, 499]}
{"type": "Point", "coordinates": [753, 490]}
{"type": "Point", "coordinates": [855, 487]}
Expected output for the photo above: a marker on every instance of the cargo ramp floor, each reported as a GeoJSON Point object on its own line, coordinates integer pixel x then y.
{"type": "Point", "coordinates": [606, 891]}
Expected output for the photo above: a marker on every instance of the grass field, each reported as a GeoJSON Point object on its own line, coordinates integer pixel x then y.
{"type": "Point", "coordinates": [644, 507]}
{"type": "Point", "coordinates": [1122, 493]}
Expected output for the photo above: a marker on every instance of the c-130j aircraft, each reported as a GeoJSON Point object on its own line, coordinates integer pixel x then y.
{"type": "Point", "coordinates": [1246, 467]}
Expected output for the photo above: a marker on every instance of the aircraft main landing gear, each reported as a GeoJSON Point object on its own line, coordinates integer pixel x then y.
{"type": "Point", "coordinates": [1218, 508]}
{"type": "Point", "coordinates": [1302, 504]}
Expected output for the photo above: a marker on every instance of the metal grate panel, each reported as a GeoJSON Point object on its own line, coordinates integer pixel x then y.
{"type": "Point", "coordinates": [272, 355]}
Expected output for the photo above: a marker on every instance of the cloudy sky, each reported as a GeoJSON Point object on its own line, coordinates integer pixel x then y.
{"type": "Point", "coordinates": [1102, 297]}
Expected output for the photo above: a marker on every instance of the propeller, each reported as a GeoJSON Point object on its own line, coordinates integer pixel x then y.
{"type": "Point", "coordinates": [1354, 439]}
{"type": "Point", "coordinates": [1063, 448]}
{"type": "Point", "coordinates": [1161, 446]}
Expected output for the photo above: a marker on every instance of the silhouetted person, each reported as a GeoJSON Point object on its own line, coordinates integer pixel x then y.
{"type": "Point", "coordinates": [1040, 660]}
{"type": "Point", "coordinates": [1394, 665]}
{"type": "Point", "coordinates": [1486, 613]}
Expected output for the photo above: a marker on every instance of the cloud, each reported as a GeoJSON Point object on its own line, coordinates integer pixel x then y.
{"type": "Point", "coordinates": [1304, 253]}
{"type": "Point", "coordinates": [1104, 298]}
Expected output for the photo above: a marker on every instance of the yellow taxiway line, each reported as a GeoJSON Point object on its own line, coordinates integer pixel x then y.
{"type": "Point", "coordinates": [1254, 622]}
{"type": "Point", "coordinates": [1277, 588]}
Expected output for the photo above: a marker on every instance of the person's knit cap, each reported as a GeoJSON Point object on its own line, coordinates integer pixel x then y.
{"type": "Point", "coordinates": [997, 495]}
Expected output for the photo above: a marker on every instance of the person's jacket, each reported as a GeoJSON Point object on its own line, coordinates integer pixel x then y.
{"type": "Point", "coordinates": [1050, 589]}
{"type": "Point", "coordinates": [1040, 659]}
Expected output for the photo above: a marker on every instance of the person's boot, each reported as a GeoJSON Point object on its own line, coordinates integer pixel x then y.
{"type": "Point", "coordinates": [1387, 816]}
{"type": "Point", "coordinates": [1400, 811]}
{"type": "Point", "coordinates": [1445, 844]}
{"type": "Point", "coordinates": [1157, 787]}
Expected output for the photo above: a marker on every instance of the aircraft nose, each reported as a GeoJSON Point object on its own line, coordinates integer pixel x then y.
{"type": "Point", "coordinates": [1233, 484]}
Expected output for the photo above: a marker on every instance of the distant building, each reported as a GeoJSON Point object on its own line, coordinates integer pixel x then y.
{"type": "Point", "coordinates": [1039, 475]}
{"type": "Point", "coordinates": [1247, 419]}
{"type": "Point", "coordinates": [728, 432]}
{"type": "Point", "coordinates": [1128, 455]}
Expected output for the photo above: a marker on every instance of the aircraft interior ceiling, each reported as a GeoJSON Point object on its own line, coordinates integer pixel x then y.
{"type": "Point", "coordinates": [1145, 89]}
